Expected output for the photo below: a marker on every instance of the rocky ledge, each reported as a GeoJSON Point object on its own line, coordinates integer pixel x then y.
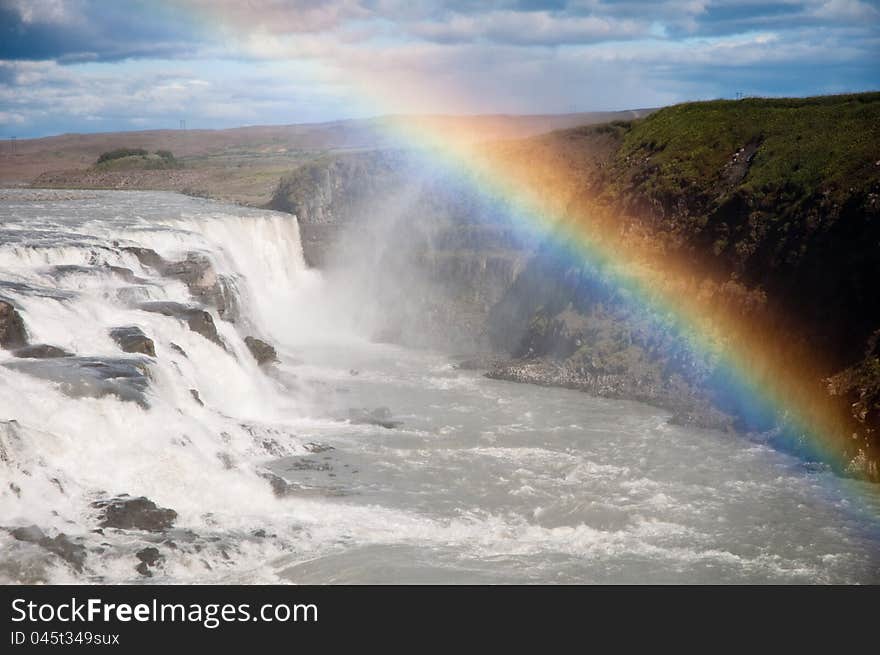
{"type": "Point", "coordinates": [687, 407]}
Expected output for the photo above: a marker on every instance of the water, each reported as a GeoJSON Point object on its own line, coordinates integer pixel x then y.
{"type": "Point", "coordinates": [484, 481]}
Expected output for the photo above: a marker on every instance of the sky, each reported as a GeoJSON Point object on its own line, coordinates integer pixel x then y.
{"type": "Point", "coordinates": [108, 65]}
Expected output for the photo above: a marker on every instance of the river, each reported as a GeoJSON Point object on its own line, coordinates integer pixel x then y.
{"type": "Point", "coordinates": [349, 461]}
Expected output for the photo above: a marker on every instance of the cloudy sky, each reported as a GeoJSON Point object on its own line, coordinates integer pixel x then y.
{"type": "Point", "coordinates": [97, 65]}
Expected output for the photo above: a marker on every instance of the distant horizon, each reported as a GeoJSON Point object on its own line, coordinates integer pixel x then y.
{"type": "Point", "coordinates": [87, 66]}
{"type": "Point", "coordinates": [377, 117]}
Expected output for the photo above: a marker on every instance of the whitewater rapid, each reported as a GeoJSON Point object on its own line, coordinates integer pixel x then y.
{"type": "Point", "coordinates": [274, 476]}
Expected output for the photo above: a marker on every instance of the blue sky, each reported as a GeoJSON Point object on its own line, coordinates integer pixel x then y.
{"type": "Point", "coordinates": [99, 65]}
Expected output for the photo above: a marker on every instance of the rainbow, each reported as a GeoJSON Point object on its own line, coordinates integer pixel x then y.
{"type": "Point", "coordinates": [759, 375]}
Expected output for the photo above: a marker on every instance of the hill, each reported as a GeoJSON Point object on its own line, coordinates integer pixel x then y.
{"type": "Point", "coordinates": [241, 165]}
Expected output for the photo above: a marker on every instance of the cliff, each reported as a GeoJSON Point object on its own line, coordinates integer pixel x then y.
{"type": "Point", "coordinates": [776, 202]}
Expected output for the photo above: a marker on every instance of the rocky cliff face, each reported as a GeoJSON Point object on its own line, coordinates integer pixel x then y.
{"type": "Point", "coordinates": [435, 256]}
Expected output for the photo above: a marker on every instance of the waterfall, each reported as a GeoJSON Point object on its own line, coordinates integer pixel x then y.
{"type": "Point", "coordinates": [189, 427]}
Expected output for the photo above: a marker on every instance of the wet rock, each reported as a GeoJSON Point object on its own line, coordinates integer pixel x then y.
{"type": "Point", "coordinates": [149, 557]}
{"type": "Point", "coordinates": [313, 447]}
{"type": "Point", "coordinates": [198, 320]}
{"type": "Point", "coordinates": [687, 406]}
{"type": "Point", "coordinates": [131, 339]}
{"type": "Point", "coordinates": [30, 533]}
{"type": "Point", "coordinates": [380, 416]}
{"type": "Point", "coordinates": [306, 464]}
{"type": "Point", "coordinates": [91, 377]}
{"type": "Point", "coordinates": [125, 273]}
{"type": "Point", "coordinates": [140, 513]}
{"type": "Point", "coordinates": [12, 332]}
{"type": "Point", "coordinates": [41, 351]}
{"type": "Point", "coordinates": [204, 284]}
{"type": "Point", "coordinates": [262, 351]}
{"type": "Point", "coordinates": [280, 486]}
{"type": "Point", "coordinates": [146, 256]}
{"type": "Point", "coordinates": [479, 362]}
{"type": "Point", "coordinates": [62, 270]}
{"type": "Point", "coordinates": [198, 274]}
{"type": "Point", "coordinates": [61, 545]}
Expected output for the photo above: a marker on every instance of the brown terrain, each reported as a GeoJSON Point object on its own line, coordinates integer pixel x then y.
{"type": "Point", "coordinates": [241, 165]}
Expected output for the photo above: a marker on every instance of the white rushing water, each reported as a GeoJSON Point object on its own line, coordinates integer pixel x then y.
{"type": "Point", "coordinates": [482, 481]}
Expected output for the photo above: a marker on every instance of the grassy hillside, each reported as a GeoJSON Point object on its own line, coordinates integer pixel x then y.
{"type": "Point", "coordinates": [809, 145]}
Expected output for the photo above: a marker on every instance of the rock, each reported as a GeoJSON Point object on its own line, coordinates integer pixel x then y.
{"type": "Point", "coordinates": [280, 486]}
{"type": "Point", "coordinates": [62, 270]}
{"type": "Point", "coordinates": [41, 351]}
{"type": "Point", "coordinates": [30, 533]}
{"type": "Point", "coordinates": [380, 416]}
{"type": "Point", "coordinates": [140, 513]}
{"type": "Point", "coordinates": [61, 545]}
{"type": "Point", "coordinates": [314, 447]}
{"type": "Point", "coordinates": [125, 273]}
{"type": "Point", "coordinates": [195, 394]}
{"type": "Point", "coordinates": [262, 351]}
{"type": "Point", "coordinates": [198, 320]}
{"type": "Point", "coordinates": [197, 272]}
{"type": "Point", "coordinates": [91, 377]}
{"type": "Point", "coordinates": [12, 332]}
{"type": "Point", "coordinates": [133, 340]}
{"type": "Point", "coordinates": [150, 557]}
{"type": "Point", "coordinates": [146, 256]}
{"type": "Point", "coordinates": [204, 283]}
{"type": "Point", "coordinates": [479, 362]}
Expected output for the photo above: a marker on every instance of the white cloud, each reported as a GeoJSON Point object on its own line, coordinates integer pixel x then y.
{"type": "Point", "coordinates": [44, 11]}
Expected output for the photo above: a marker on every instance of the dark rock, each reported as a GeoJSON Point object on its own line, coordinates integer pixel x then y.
{"type": "Point", "coordinates": [91, 377]}
{"type": "Point", "coordinates": [204, 283]}
{"type": "Point", "coordinates": [125, 273]}
{"type": "Point", "coordinates": [177, 348]}
{"type": "Point", "coordinates": [30, 533]}
{"type": "Point", "coordinates": [262, 351]}
{"type": "Point", "coordinates": [380, 416]}
{"type": "Point", "coordinates": [127, 513]}
{"type": "Point", "coordinates": [195, 394]}
{"type": "Point", "coordinates": [313, 447]}
{"type": "Point", "coordinates": [479, 362]}
{"type": "Point", "coordinates": [280, 486]}
{"type": "Point", "coordinates": [198, 320]}
{"type": "Point", "coordinates": [306, 464]}
{"type": "Point", "coordinates": [133, 340]}
{"type": "Point", "coordinates": [62, 270]}
{"type": "Point", "coordinates": [149, 557]}
{"type": "Point", "coordinates": [41, 351]}
{"type": "Point", "coordinates": [12, 332]}
{"type": "Point", "coordinates": [61, 545]}
{"type": "Point", "coordinates": [146, 256]}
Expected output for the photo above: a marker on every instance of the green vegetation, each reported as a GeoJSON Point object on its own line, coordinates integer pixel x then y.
{"type": "Point", "coordinates": [119, 153]}
{"type": "Point", "coordinates": [808, 146]}
{"type": "Point", "coordinates": [136, 159]}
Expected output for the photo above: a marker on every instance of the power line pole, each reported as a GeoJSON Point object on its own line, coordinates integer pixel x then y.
{"type": "Point", "coordinates": [12, 144]}
{"type": "Point", "coordinates": [182, 124]}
